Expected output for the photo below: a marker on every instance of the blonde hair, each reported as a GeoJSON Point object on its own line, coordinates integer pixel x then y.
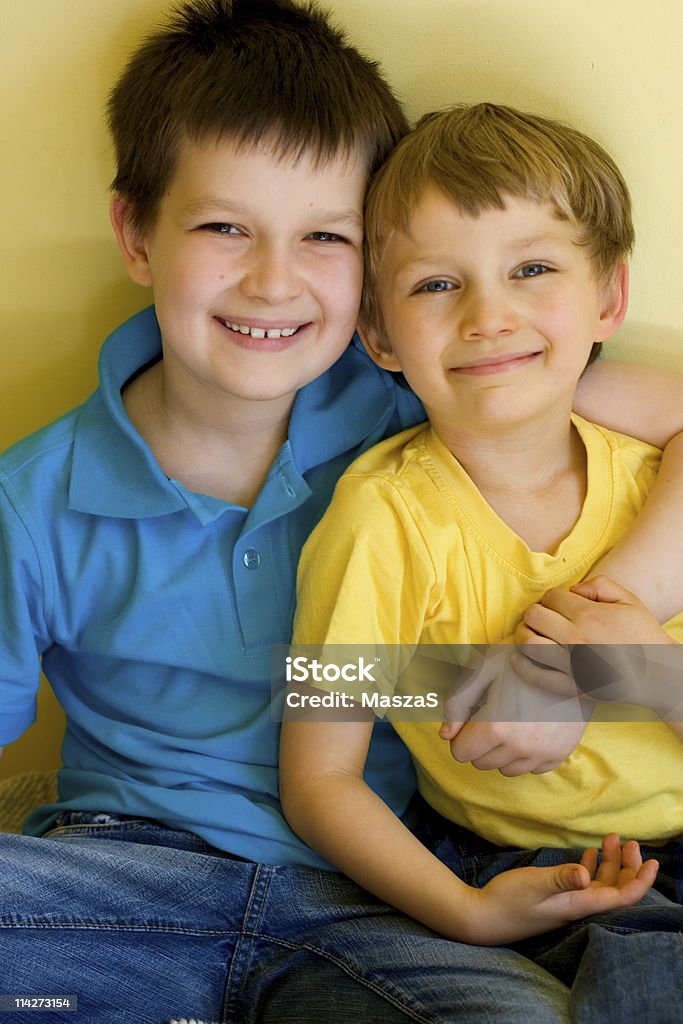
{"type": "Point", "coordinates": [478, 155]}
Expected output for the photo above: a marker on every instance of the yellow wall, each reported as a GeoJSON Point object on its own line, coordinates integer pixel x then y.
{"type": "Point", "coordinates": [612, 67]}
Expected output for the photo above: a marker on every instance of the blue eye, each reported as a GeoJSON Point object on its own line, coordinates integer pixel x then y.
{"type": "Point", "coordinates": [532, 270]}
{"type": "Point", "coordinates": [325, 236]}
{"type": "Point", "coordinates": [436, 286]}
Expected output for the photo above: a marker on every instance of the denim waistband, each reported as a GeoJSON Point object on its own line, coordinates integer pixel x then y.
{"type": "Point", "coordinates": [134, 828]}
{"type": "Point", "coordinates": [67, 818]}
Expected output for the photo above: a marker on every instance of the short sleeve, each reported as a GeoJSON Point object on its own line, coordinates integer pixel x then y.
{"type": "Point", "coordinates": [23, 634]}
{"type": "Point", "coordinates": [365, 574]}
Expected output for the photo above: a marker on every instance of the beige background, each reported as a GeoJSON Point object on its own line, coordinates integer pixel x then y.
{"type": "Point", "coordinates": [611, 67]}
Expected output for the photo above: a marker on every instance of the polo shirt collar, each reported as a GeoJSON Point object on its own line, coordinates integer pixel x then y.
{"type": "Point", "coordinates": [348, 407]}
{"type": "Point", "coordinates": [114, 472]}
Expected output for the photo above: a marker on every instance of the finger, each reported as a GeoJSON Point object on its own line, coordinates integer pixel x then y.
{"type": "Point", "coordinates": [630, 890]}
{"type": "Point", "coordinates": [526, 764]}
{"type": "Point", "coordinates": [449, 730]}
{"type": "Point", "coordinates": [546, 653]}
{"type": "Point", "coordinates": [599, 898]}
{"type": "Point", "coordinates": [550, 623]}
{"type": "Point", "coordinates": [547, 766]}
{"type": "Point", "coordinates": [631, 856]}
{"type": "Point", "coordinates": [647, 874]}
{"type": "Point", "coordinates": [610, 866]}
{"type": "Point", "coordinates": [567, 878]}
{"type": "Point", "coordinates": [602, 588]}
{"type": "Point", "coordinates": [564, 601]}
{"type": "Point", "coordinates": [550, 680]}
{"type": "Point", "coordinates": [467, 693]}
{"type": "Point", "coordinates": [589, 860]}
{"type": "Point", "coordinates": [475, 742]}
{"type": "Point", "coordinates": [525, 635]}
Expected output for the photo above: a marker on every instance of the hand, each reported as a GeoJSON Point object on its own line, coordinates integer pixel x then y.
{"type": "Point", "coordinates": [519, 728]}
{"type": "Point", "coordinates": [600, 620]}
{"type": "Point", "coordinates": [528, 901]}
{"type": "Point", "coordinates": [542, 662]}
{"type": "Point", "coordinates": [596, 611]}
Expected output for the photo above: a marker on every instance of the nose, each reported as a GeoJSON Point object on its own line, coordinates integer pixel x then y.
{"type": "Point", "coordinates": [487, 312]}
{"type": "Point", "coordinates": [271, 275]}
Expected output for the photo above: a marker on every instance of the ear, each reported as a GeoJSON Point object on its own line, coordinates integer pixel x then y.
{"type": "Point", "coordinates": [614, 303]}
{"type": "Point", "coordinates": [132, 242]}
{"type": "Point", "coordinates": [373, 342]}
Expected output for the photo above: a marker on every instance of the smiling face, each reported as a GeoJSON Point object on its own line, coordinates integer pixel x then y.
{"type": "Point", "coordinates": [256, 265]}
{"type": "Point", "coordinates": [492, 317]}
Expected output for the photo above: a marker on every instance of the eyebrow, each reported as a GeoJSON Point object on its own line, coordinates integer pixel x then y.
{"type": "Point", "coordinates": [516, 243]}
{"type": "Point", "coordinates": [433, 259]}
{"type": "Point", "coordinates": [532, 240]}
{"type": "Point", "coordinates": [213, 205]}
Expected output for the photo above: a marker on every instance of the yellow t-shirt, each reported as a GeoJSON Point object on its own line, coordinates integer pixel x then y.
{"type": "Point", "coordinates": [410, 553]}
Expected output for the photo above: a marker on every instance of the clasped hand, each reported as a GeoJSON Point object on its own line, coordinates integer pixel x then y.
{"type": "Point", "coordinates": [496, 720]}
{"type": "Point", "coordinates": [520, 709]}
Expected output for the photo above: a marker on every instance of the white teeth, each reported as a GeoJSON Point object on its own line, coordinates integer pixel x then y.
{"type": "Point", "coordinates": [260, 332]}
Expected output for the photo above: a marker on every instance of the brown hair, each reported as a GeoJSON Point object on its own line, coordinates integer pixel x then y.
{"type": "Point", "coordinates": [476, 155]}
{"type": "Point", "coordinates": [249, 70]}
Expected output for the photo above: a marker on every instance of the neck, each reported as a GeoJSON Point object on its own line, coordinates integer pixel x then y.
{"type": "Point", "coordinates": [534, 477]}
{"type": "Point", "coordinates": [223, 447]}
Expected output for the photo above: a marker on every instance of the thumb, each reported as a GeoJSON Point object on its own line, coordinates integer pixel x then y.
{"type": "Point", "coordinates": [568, 878]}
{"type": "Point", "coordinates": [449, 730]}
{"type": "Point", "coordinates": [601, 588]}
{"type": "Point", "coordinates": [466, 694]}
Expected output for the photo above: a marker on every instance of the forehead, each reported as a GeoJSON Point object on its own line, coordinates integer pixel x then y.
{"type": "Point", "coordinates": [438, 226]}
{"type": "Point", "coordinates": [227, 163]}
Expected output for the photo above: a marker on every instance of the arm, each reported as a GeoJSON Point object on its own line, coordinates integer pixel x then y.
{"type": "Point", "coordinates": [647, 403]}
{"type": "Point", "coordinates": [329, 805]}
{"type": "Point", "coordinates": [644, 660]}
{"type": "Point", "coordinates": [642, 561]}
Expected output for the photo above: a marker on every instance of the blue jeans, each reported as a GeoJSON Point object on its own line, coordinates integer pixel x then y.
{"type": "Point", "coordinates": [621, 966]}
{"type": "Point", "coordinates": [145, 924]}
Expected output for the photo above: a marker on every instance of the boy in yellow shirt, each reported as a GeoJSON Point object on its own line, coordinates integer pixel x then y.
{"type": "Point", "coordinates": [497, 247]}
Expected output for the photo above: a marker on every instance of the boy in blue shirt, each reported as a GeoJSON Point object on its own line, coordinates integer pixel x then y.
{"type": "Point", "coordinates": [149, 541]}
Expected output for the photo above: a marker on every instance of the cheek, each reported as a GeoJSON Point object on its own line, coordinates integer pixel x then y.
{"type": "Point", "coordinates": [556, 319]}
{"type": "Point", "coordinates": [339, 287]}
{"type": "Point", "coordinates": [196, 279]}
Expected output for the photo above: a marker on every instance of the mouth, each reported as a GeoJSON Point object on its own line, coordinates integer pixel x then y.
{"type": "Point", "coordinates": [261, 331]}
{"type": "Point", "coordinates": [496, 364]}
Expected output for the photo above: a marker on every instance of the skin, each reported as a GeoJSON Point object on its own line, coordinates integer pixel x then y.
{"type": "Point", "coordinates": [599, 611]}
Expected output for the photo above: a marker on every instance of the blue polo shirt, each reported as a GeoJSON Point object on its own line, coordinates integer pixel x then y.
{"type": "Point", "coordinates": [154, 609]}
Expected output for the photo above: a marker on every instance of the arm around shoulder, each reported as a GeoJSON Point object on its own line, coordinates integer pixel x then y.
{"type": "Point", "coordinates": [647, 403]}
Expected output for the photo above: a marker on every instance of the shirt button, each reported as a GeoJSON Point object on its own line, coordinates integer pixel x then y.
{"type": "Point", "coordinates": [251, 558]}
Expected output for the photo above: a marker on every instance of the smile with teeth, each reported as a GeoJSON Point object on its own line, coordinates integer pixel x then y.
{"type": "Point", "coordinates": [261, 332]}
